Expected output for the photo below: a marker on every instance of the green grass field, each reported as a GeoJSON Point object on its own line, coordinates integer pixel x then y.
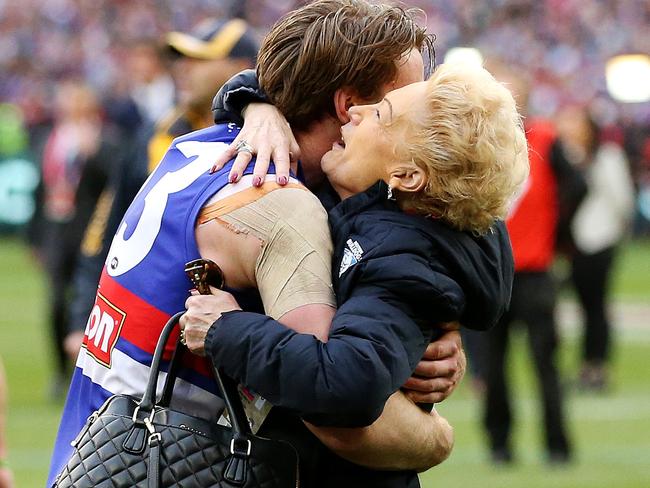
{"type": "Point", "coordinates": [611, 433]}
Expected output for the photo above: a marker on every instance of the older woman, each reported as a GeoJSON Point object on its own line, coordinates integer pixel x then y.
{"type": "Point", "coordinates": [422, 246]}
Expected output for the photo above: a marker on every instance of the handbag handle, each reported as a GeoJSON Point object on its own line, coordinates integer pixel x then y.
{"type": "Point", "coordinates": [149, 398]}
{"type": "Point", "coordinates": [231, 398]}
{"type": "Point", "coordinates": [227, 385]}
{"type": "Point", "coordinates": [204, 273]}
{"type": "Point", "coordinates": [172, 374]}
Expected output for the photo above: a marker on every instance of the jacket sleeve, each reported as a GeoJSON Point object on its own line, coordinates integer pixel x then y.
{"type": "Point", "coordinates": [235, 95]}
{"type": "Point", "coordinates": [374, 345]}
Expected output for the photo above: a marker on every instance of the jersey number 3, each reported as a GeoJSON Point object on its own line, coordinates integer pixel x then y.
{"type": "Point", "coordinates": [126, 253]}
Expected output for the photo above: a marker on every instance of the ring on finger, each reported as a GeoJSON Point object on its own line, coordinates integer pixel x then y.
{"type": "Point", "coordinates": [183, 337]}
{"type": "Point", "coordinates": [243, 146]}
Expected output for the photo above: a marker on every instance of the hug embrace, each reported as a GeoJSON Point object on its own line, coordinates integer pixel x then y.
{"type": "Point", "coordinates": [344, 324]}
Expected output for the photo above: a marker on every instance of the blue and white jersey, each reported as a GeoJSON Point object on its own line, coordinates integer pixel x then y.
{"type": "Point", "coordinates": [143, 284]}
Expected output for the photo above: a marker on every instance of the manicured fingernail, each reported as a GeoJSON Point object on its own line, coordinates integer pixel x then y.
{"type": "Point", "coordinates": [257, 181]}
{"type": "Point", "coordinates": [282, 180]}
{"type": "Point", "coordinates": [213, 169]}
{"type": "Point", "coordinates": [233, 178]}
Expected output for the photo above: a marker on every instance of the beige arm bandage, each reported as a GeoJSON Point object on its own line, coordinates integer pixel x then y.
{"type": "Point", "coordinates": [294, 266]}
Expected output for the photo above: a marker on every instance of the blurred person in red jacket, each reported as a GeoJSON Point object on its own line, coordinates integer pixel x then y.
{"type": "Point", "coordinates": [537, 225]}
{"type": "Point", "coordinates": [598, 227]}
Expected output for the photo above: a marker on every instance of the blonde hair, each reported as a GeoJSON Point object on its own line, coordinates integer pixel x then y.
{"type": "Point", "coordinates": [471, 143]}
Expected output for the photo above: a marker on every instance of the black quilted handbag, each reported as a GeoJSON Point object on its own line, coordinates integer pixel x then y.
{"type": "Point", "coordinates": [145, 444]}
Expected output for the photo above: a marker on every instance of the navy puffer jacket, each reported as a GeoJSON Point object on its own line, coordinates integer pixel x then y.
{"type": "Point", "coordinates": [396, 277]}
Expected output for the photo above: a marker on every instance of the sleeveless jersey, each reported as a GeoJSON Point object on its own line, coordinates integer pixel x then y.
{"type": "Point", "coordinates": [143, 284]}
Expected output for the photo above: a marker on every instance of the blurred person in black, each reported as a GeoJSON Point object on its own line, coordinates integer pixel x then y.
{"type": "Point", "coordinates": [599, 225]}
{"type": "Point", "coordinates": [6, 477]}
{"type": "Point", "coordinates": [152, 87]}
{"type": "Point", "coordinates": [202, 61]}
{"type": "Point", "coordinates": [77, 158]}
{"type": "Point", "coordinates": [538, 226]}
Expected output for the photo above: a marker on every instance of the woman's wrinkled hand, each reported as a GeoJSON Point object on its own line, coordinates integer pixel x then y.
{"type": "Point", "coordinates": [202, 312]}
{"type": "Point", "coordinates": [268, 135]}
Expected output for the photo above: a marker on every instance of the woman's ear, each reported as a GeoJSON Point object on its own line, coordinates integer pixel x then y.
{"type": "Point", "coordinates": [407, 178]}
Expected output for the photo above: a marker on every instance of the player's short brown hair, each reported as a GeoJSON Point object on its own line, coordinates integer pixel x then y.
{"type": "Point", "coordinates": [329, 44]}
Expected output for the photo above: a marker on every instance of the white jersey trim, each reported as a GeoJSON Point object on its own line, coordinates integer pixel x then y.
{"type": "Point", "coordinates": [129, 377]}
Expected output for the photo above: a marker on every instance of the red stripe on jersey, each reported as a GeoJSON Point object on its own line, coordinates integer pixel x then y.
{"type": "Point", "coordinates": [143, 323]}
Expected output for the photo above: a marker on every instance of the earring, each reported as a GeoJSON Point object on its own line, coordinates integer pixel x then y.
{"type": "Point", "coordinates": [390, 193]}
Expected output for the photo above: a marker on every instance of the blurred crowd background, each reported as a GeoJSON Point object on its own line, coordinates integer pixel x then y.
{"type": "Point", "coordinates": [562, 45]}
{"type": "Point", "coordinates": [84, 82]}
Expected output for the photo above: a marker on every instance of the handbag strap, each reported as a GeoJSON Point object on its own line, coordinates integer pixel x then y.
{"type": "Point", "coordinates": [204, 273]}
{"type": "Point", "coordinates": [172, 374]}
{"type": "Point", "coordinates": [231, 398]}
{"type": "Point", "coordinates": [227, 385]}
{"type": "Point", "coordinates": [149, 398]}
